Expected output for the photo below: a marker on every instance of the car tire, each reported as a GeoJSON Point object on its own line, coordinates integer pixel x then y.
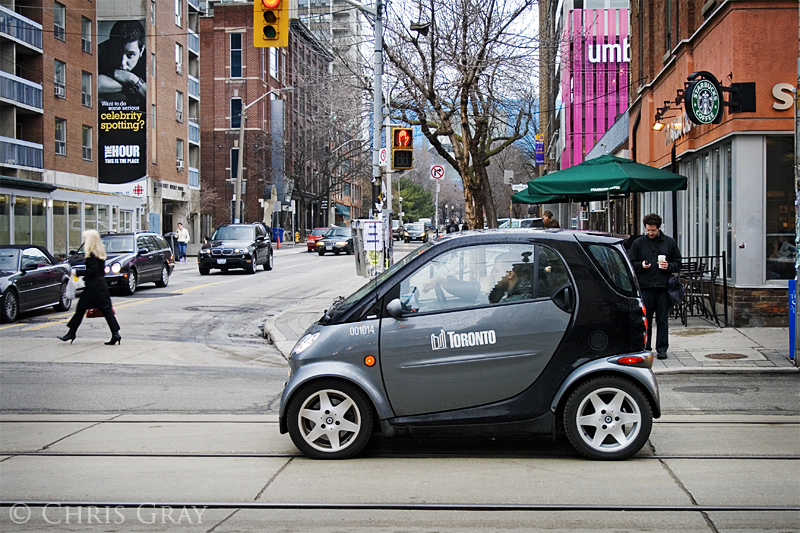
{"type": "Point", "coordinates": [133, 282]}
{"type": "Point", "coordinates": [163, 281]}
{"type": "Point", "coordinates": [269, 263]}
{"type": "Point", "coordinates": [321, 405]}
{"type": "Point", "coordinates": [64, 303]}
{"type": "Point", "coordinates": [608, 418]}
{"type": "Point", "coordinates": [204, 271]}
{"type": "Point", "coordinates": [320, 252]}
{"type": "Point", "coordinates": [9, 306]}
{"type": "Point", "coordinates": [253, 265]}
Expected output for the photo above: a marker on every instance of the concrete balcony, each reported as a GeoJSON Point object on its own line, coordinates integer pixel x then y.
{"type": "Point", "coordinates": [193, 42]}
{"type": "Point", "coordinates": [21, 154]}
{"type": "Point", "coordinates": [194, 132]}
{"type": "Point", "coordinates": [21, 92]}
{"type": "Point", "coordinates": [194, 87]}
{"type": "Point", "coordinates": [20, 29]}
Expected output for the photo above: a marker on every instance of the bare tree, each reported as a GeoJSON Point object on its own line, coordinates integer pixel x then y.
{"type": "Point", "coordinates": [468, 84]}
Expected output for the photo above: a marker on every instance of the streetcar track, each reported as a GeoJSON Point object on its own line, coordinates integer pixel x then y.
{"type": "Point", "coordinates": [399, 506]}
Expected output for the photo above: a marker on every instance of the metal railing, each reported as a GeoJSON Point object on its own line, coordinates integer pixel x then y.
{"type": "Point", "coordinates": [17, 153]}
{"type": "Point", "coordinates": [20, 90]}
{"type": "Point", "coordinates": [20, 29]}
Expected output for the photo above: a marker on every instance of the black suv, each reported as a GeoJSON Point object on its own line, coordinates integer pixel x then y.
{"type": "Point", "coordinates": [236, 246]}
{"type": "Point", "coordinates": [133, 258]}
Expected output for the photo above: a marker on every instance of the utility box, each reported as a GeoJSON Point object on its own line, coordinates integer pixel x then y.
{"type": "Point", "coordinates": [368, 244]}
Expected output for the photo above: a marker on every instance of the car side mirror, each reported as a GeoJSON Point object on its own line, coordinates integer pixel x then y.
{"type": "Point", "coordinates": [28, 268]}
{"type": "Point", "coordinates": [259, 239]}
{"type": "Point", "coordinates": [72, 252]}
{"type": "Point", "coordinates": [395, 309]}
{"type": "Point", "coordinates": [142, 251]}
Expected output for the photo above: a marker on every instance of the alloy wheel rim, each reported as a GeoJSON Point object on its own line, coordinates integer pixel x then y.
{"type": "Point", "coordinates": [329, 420]}
{"type": "Point", "coordinates": [11, 305]}
{"type": "Point", "coordinates": [609, 419]}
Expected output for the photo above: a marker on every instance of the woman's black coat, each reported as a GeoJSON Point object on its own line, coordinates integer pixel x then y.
{"type": "Point", "coordinates": [95, 295]}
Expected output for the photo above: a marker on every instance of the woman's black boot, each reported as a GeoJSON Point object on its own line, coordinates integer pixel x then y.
{"type": "Point", "coordinates": [70, 336]}
{"type": "Point", "coordinates": [116, 338]}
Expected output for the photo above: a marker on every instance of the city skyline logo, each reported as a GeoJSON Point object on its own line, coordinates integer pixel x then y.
{"type": "Point", "coordinates": [450, 339]}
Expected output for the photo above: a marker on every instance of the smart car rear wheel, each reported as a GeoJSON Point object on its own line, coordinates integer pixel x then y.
{"type": "Point", "coordinates": [329, 419]}
{"type": "Point", "coordinates": [163, 281]}
{"type": "Point", "coordinates": [9, 306]}
{"type": "Point", "coordinates": [608, 418]}
{"type": "Point", "coordinates": [133, 281]}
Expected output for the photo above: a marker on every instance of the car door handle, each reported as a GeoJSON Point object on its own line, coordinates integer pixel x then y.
{"type": "Point", "coordinates": [564, 298]}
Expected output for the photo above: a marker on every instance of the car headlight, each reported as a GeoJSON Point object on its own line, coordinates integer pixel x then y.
{"type": "Point", "coordinates": [240, 251]}
{"type": "Point", "coordinates": [115, 268]}
{"type": "Point", "coordinates": [304, 343]}
{"type": "Point", "coordinates": [107, 270]}
{"type": "Point", "coordinates": [341, 243]}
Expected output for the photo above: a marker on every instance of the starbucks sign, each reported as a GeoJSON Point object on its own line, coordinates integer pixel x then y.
{"type": "Point", "coordinates": [703, 101]}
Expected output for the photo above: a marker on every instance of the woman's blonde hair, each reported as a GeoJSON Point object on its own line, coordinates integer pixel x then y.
{"type": "Point", "coordinates": [93, 244]}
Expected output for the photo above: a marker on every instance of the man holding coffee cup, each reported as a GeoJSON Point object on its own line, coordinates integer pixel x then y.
{"type": "Point", "coordinates": [655, 258]}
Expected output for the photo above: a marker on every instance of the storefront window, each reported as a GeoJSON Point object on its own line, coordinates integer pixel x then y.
{"type": "Point", "coordinates": [4, 222]}
{"type": "Point", "coordinates": [780, 214]}
{"type": "Point", "coordinates": [22, 220]}
{"type": "Point", "coordinates": [90, 221]}
{"type": "Point", "coordinates": [74, 226]}
{"type": "Point", "coordinates": [126, 221]}
{"type": "Point", "coordinates": [38, 222]}
{"type": "Point", "coordinates": [102, 218]}
{"type": "Point", "coordinates": [60, 244]}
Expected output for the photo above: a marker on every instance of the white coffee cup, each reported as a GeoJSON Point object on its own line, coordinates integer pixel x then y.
{"type": "Point", "coordinates": [662, 258]}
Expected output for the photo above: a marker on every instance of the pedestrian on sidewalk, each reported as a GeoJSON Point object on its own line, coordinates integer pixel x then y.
{"type": "Point", "coordinates": [655, 257]}
{"type": "Point", "coordinates": [95, 293]}
{"type": "Point", "coordinates": [182, 234]}
{"type": "Point", "coordinates": [549, 221]}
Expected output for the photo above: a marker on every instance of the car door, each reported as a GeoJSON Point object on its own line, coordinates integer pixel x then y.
{"type": "Point", "coordinates": [36, 285]}
{"type": "Point", "coordinates": [460, 343]}
{"type": "Point", "coordinates": [144, 261]}
{"type": "Point", "coordinates": [261, 243]}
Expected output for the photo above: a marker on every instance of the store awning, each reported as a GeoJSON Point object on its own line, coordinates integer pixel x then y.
{"type": "Point", "coordinates": [343, 210]}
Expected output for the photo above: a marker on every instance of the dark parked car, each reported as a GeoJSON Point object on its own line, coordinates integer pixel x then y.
{"type": "Point", "coordinates": [314, 237]}
{"type": "Point", "coordinates": [336, 240]}
{"type": "Point", "coordinates": [133, 259]}
{"type": "Point", "coordinates": [31, 278]}
{"type": "Point", "coordinates": [512, 332]}
{"type": "Point", "coordinates": [237, 246]}
{"type": "Point", "coordinates": [416, 231]}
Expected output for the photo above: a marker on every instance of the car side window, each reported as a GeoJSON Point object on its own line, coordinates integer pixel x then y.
{"type": "Point", "coordinates": [32, 257]}
{"type": "Point", "coordinates": [143, 242]}
{"type": "Point", "coordinates": [470, 276]}
{"type": "Point", "coordinates": [160, 242]}
{"type": "Point", "coordinates": [552, 273]}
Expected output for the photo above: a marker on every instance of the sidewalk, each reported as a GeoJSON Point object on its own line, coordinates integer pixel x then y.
{"type": "Point", "coordinates": [696, 348]}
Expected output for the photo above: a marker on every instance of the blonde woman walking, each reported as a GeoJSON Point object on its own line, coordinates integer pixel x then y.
{"type": "Point", "coordinates": [95, 294]}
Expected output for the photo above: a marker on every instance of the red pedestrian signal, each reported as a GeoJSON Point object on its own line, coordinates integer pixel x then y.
{"type": "Point", "coordinates": [402, 148]}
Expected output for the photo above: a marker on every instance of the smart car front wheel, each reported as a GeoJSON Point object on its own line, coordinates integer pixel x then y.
{"type": "Point", "coordinates": [608, 418]}
{"type": "Point", "coordinates": [329, 419]}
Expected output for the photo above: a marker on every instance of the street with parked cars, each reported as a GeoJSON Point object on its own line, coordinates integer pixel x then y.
{"type": "Point", "coordinates": [190, 409]}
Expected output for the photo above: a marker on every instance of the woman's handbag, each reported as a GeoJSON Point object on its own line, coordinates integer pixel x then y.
{"type": "Point", "coordinates": [97, 313]}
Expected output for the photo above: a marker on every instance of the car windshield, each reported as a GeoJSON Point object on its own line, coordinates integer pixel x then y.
{"type": "Point", "coordinates": [233, 233]}
{"type": "Point", "coordinates": [119, 244]}
{"type": "Point", "coordinates": [9, 259]}
{"type": "Point", "coordinates": [416, 226]}
{"type": "Point", "coordinates": [319, 231]}
{"type": "Point", "coordinates": [339, 232]}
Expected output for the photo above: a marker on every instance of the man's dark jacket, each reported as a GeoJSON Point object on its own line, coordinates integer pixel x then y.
{"type": "Point", "coordinates": [646, 249]}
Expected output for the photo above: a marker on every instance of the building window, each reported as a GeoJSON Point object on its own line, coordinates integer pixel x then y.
{"type": "Point", "coordinates": [236, 55]}
{"type": "Point", "coordinates": [273, 62]}
{"type": "Point", "coordinates": [153, 115]}
{"type": "Point", "coordinates": [236, 113]}
{"type": "Point", "coordinates": [179, 152]}
{"type": "Point", "coordinates": [179, 106]}
{"type": "Point", "coordinates": [153, 12]}
{"type": "Point", "coordinates": [179, 13]}
{"type": "Point", "coordinates": [60, 79]}
{"type": "Point", "coordinates": [179, 58]}
{"type": "Point", "coordinates": [59, 21]}
{"type": "Point", "coordinates": [87, 142]}
{"type": "Point", "coordinates": [61, 136]}
{"type": "Point", "coordinates": [153, 64]}
{"type": "Point", "coordinates": [234, 163]}
{"type": "Point", "coordinates": [86, 35]}
{"type": "Point", "coordinates": [668, 24]}
{"type": "Point", "coordinates": [780, 213]}
{"type": "Point", "coordinates": [86, 88]}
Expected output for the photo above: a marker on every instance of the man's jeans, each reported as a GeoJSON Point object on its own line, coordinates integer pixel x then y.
{"type": "Point", "coordinates": [657, 300]}
{"type": "Point", "coordinates": [181, 250]}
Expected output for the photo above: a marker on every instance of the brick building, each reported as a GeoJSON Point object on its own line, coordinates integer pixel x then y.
{"type": "Point", "coordinates": [740, 196]}
{"type": "Point", "coordinates": [89, 140]}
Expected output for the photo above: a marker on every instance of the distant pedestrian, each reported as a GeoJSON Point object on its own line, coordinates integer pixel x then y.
{"type": "Point", "coordinates": [182, 234]}
{"type": "Point", "coordinates": [95, 293]}
{"type": "Point", "coordinates": [549, 221]}
{"type": "Point", "coordinates": [655, 257]}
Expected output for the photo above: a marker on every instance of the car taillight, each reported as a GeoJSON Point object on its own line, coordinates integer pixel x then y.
{"type": "Point", "coordinates": [644, 319]}
{"type": "Point", "coordinates": [631, 360]}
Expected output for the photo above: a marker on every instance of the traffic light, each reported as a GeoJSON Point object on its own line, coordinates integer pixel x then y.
{"type": "Point", "coordinates": [270, 23]}
{"type": "Point", "coordinates": [402, 148]}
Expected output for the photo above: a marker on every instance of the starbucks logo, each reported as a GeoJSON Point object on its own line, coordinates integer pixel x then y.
{"type": "Point", "coordinates": [705, 101]}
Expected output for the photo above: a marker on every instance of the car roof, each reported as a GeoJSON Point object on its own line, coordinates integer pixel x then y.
{"type": "Point", "coordinates": [544, 234]}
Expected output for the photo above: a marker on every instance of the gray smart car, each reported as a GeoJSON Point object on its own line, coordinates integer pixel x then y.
{"type": "Point", "coordinates": [512, 332]}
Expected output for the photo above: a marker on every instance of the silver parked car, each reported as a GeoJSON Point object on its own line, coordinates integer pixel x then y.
{"type": "Point", "coordinates": [519, 331]}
